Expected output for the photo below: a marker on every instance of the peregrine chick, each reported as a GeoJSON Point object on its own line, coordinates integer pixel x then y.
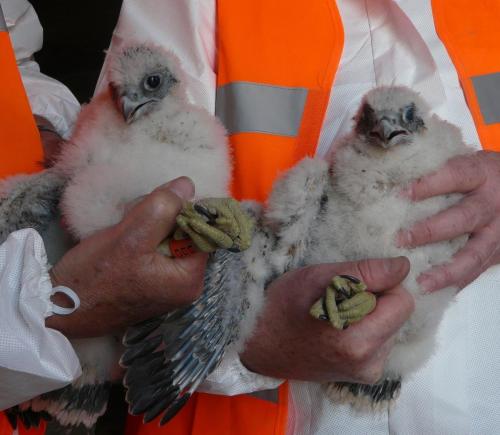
{"type": "Point", "coordinates": [353, 209]}
{"type": "Point", "coordinates": [134, 136]}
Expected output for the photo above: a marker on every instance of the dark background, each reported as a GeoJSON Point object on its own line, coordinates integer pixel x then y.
{"type": "Point", "coordinates": [76, 33]}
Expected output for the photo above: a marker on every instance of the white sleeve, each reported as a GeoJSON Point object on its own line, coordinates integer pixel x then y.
{"type": "Point", "coordinates": [33, 359]}
{"type": "Point", "coordinates": [48, 97]}
{"type": "Point", "coordinates": [231, 377]}
{"type": "Point", "coordinates": [188, 28]}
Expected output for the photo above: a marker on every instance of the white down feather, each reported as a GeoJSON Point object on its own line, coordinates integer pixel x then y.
{"type": "Point", "coordinates": [111, 163]}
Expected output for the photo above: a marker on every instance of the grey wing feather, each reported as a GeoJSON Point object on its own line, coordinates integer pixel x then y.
{"type": "Point", "coordinates": [29, 201]}
{"type": "Point", "coordinates": [168, 357]}
{"type": "Point", "coordinates": [74, 404]}
{"type": "Point", "coordinates": [32, 201]}
{"type": "Point", "coordinates": [71, 406]}
{"type": "Point", "coordinates": [27, 417]}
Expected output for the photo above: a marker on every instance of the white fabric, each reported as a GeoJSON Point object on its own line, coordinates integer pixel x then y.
{"type": "Point", "coordinates": [186, 27]}
{"type": "Point", "coordinates": [386, 42]}
{"type": "Point", "coordinates": [48, 97]}
{"type": "Point", "coordinates": [231, 377]}
{"type": "Point", "coordinates": [25, 30]}
{"type": "Point", "coordinates": [392, 42]}
{"type": "Point", "coordinates": [33, 359]}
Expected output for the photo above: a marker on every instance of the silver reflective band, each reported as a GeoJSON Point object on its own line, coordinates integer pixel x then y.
{"type": "Point", "coordinates": [487, 89]}
{"type": "Point", "coordinates": [245, 107]}
{"type": "Point", "coordinates": [267, 395]}
{"type": "Point", "coordinates": [3, 24]}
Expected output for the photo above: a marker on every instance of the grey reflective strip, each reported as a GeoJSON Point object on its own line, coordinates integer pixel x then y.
{"type": "Point", "coordinates": [3, 24]}
{"type": "Point", "coordinates": [488, 95]}
{"type": "Point", "coordinates": [267, 395]}
{"type": "Point", "coordinates": [245, 107]}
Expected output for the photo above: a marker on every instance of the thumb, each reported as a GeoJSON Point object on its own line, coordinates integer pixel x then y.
{"type": "Point", "coordinates": [152, 219]}
{"type": "Point", "coordinates": [382, 274]}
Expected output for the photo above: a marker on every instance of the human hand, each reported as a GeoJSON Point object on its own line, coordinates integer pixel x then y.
{"type": "Point", "coordinates": [289, 343]}
{"type": "Point", "coordinates": [477, 214]}
{"type": "Point", "coordinates": [118, 274]}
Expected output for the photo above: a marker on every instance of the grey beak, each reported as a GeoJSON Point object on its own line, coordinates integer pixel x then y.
{"type": "Point", "coordinates": [128, 108]}
{"type": "Point", "coordinates": [386, 131]}
{"type": "Point", "coordinates": [131, 110]}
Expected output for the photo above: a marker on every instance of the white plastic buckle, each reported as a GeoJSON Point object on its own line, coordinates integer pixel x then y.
{"type": "Point", "coordinates": [56, 309]}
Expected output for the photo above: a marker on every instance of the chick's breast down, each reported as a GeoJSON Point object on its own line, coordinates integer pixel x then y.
{"type": "Point", "coordinates": [366, 210]}
{"type": "Point", "coordinates": [111, 162]}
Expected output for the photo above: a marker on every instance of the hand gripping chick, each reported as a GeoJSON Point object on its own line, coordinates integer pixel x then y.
{"type": "Point", "coordinates": [353, 210]}
{"type": "Point", "coordinates": [134, 136]}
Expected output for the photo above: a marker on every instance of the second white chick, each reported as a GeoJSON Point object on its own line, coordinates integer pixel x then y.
{"type": "Point", "coordinates": [353, 209]}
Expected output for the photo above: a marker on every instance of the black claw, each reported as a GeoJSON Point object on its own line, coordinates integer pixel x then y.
{"type": "Point", "coordinates": [351, 278]}
{"type": "Point", "coordinates": [344, 292]}
{"type": "Point", "coordinates": [204, 212]}
{"type": "Point", "coordinates": [325, 315]}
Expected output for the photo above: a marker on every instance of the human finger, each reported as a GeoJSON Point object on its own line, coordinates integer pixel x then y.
{"type": "Point", "coordinates": [467, 264]}
{"type": "Point", "coordinates": [471, 213]}
{"type": "Point", "coordinates": [380, 274]}
{"type": "Point", "coordinates": [393, 309]}
{"type": "Point", "coordinates": [174, 281]}
{"type": "Point", "coordinates": [377, 274]}
{"type": "Point", "coordinates": [461, 174]}
{"type": "Point", "coordinates": [154, 217]}
{"type": "Point", "coordinates": [372, 368]}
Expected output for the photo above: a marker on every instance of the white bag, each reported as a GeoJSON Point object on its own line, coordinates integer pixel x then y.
{"type": "Point", "coordinates": [33, 359]}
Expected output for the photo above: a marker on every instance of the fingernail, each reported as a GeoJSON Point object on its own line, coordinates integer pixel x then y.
{"type": "Point", "coordinates": [183, 187]}
{"type": "Point", "coordinates": [394, 265]}
{"type": "Point", "coordinates": [426, 283]}
{"type": "Point", "coordinates": [404, 239]}
{"type": "Point", "coordinates": [407, 192]}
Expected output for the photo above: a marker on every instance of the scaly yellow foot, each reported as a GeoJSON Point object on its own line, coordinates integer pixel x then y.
{"type": "Point", "coordinates": [215, 223]}
{"type": "Point", "coordinates": [345, 302]}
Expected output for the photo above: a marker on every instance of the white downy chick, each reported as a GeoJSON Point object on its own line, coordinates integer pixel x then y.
{"type": "Point", "coordinates": [137, 134]}
{"type": "Point", "coordinates": [353, 210]}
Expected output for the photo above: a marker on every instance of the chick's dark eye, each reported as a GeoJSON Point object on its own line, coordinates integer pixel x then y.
{"type": "Point", "coordinates": [409, 113]}
{"type": "Point", "coordinates": [152, 82]}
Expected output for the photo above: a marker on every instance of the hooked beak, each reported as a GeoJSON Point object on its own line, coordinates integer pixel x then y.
{"type": "Point", "coordinates": [131, 110]}
{"type": "Point", "coordinates": [389, 134]}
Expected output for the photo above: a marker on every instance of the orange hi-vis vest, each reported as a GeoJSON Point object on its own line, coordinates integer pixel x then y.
{"type": "Point", "coordinates": [276, 64]}
{"type": "Point", "coordinates": [20, 145]}
{"type": "Point", "coordinates": [19, 137]}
